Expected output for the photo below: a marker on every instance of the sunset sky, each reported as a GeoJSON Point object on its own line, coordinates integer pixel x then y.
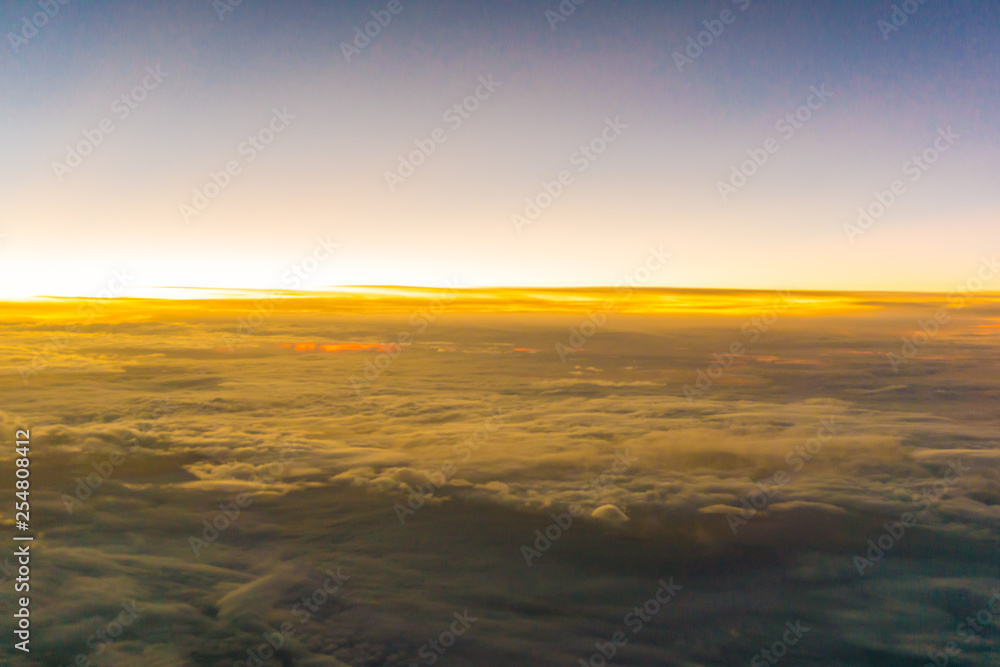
{"type": "Point", "coordinates": [556, 85]}
{"type": "Point", "coordinates": [514, 313]}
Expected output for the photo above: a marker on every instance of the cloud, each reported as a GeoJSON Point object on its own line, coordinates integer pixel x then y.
{"type": "Point", "coordinates": [346, 461]}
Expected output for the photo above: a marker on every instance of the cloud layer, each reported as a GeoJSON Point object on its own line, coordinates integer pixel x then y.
{"type": "Point", "coordinates": [473, 441]}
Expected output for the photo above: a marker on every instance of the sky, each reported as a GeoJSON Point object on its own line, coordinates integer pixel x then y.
{"type": "Point", "coordinates": [399, 246]}
{"type": "Point", "coordinates": [333, 120]}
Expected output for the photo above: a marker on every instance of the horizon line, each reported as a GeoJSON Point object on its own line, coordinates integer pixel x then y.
{"type": "Point", "coordinates": [238, 293]}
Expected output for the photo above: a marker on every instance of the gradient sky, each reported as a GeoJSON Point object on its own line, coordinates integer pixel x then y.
{"type": "Point", "coordinates": [655, 186]}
